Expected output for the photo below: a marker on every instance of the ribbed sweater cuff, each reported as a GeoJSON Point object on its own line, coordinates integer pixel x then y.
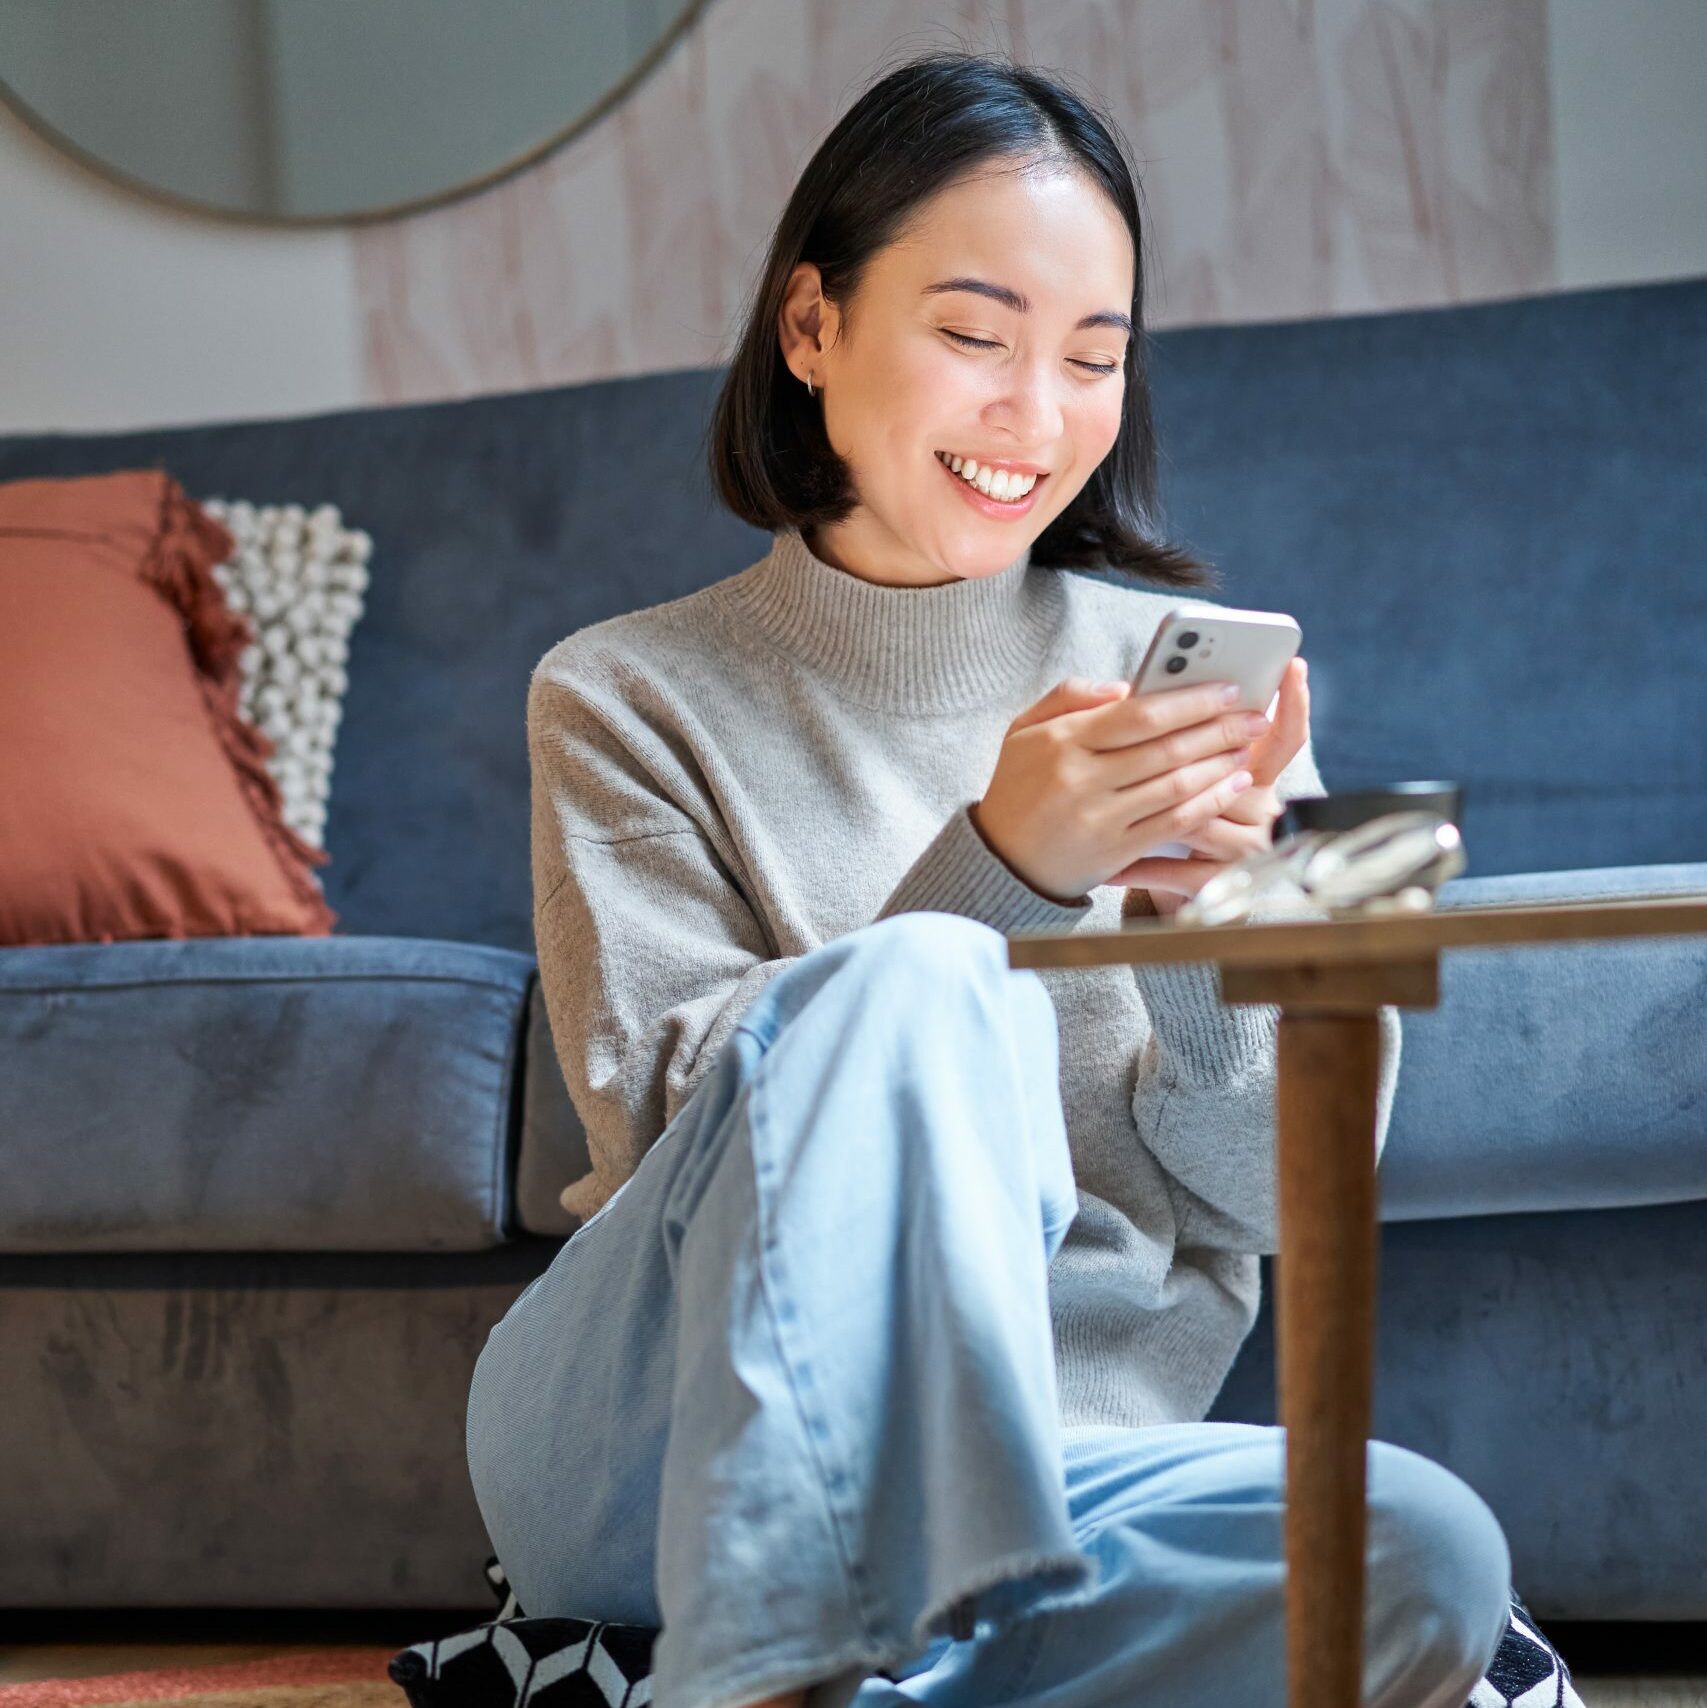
{"type": "Point", "coordinates": [1213, 1041]}
{"type": "Point", "coordinates": [960, 873]}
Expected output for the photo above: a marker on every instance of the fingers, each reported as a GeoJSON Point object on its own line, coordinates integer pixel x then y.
{"type": "Point", "coordinates": [1291, 724]}
{"type": "Point", "coordinates": [1074, 694]}
{"type": "Point", "coordinates": [1178, 877]}
{"type": "Point", "coordinates": [1170, 808]}
{"type": "Point", "coordinates": [1215, 843]}
{"type": "Point", "coordinates": [1145, 769]}
{"type": "Point", "coordinates": [1228, 839]}
{"type": "Point", "coordinates": [1183, 789]}
{"type": "Point", "coordinates": [1139, 717]}
{"type": "Point", "coordinates": [1232, 733]}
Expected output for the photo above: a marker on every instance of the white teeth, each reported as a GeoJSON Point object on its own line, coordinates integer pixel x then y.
{"type": "Point", "coordinates": [999, 484]}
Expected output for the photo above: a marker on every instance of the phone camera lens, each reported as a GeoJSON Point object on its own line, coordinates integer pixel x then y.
{"type": "Point", "coordinates": [1188, 638]}
{"type": "Point", "coordinates": [1175, 665]}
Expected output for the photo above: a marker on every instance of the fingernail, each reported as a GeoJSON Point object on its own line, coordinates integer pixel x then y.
{"type": "Point", "coordinates": [1229, 693]}
{"type": "Point", "coordinates": [1241, 782]}
{"type": "Point", "coordinates": [1107, 687]}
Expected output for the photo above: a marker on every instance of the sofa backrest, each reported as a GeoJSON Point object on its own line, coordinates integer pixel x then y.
{"type": "Point", "coordinates": [1488, 520]}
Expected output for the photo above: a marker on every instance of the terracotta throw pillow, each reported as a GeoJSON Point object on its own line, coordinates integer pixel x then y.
{"type": "Point", "coordinates": [135, 800]}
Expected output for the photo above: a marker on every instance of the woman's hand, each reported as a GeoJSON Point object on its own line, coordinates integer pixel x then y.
{"type": "Point", "coordinates": [1092, 776]}
{"type": "Point", "coordinates": [1245, 825]}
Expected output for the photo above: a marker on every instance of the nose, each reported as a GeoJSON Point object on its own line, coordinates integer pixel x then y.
{"type": "Point", "coordinates": [1028, 406]}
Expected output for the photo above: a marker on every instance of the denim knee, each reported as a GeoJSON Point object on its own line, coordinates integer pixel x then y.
{"type": "Point", "coordinates": [937, 951]}
{"type": "Point", "coordinates": [941, 944]}
{"type": "Point", "coordinates": [911, 989]}
{"type": "Point", "coordinates": [1438, 1559]}
{"type": "Point", "coordinates": [917, 962]}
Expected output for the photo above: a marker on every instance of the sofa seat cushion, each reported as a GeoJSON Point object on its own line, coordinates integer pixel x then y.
{"type": "Point", "coordinates": [553, 1145]}
{"type": "Point", "coordinates": [1565, 1076]}
{"type": "Point", "coordinates": [306, 1094]}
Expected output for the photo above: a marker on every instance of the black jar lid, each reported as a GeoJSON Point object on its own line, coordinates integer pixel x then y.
{"type": "Point", "coordinates": [1352, 807]}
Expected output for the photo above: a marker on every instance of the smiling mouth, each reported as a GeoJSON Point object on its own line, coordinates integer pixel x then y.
{"type": "Point", "coordinates": [998, 484]}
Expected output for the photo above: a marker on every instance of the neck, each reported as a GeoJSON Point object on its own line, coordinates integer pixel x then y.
{"type": "Point", "coordinates": [862, 547]}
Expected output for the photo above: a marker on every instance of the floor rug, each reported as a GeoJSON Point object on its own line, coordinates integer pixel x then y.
{"type": "Point", "coordinates": [336, 1678]}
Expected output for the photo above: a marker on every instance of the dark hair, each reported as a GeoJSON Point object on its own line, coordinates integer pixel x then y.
{"type": "Point", "coordinates": [910, 134]}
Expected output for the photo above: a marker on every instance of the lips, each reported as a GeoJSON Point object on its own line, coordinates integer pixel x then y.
{"type": "Point", "coordinates": [995, 509]}
{"type": "Point", "coordinates": [1001, 482]}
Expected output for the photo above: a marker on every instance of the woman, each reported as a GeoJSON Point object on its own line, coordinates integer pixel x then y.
{"type": "Point", "coordinates": [907, 1279]}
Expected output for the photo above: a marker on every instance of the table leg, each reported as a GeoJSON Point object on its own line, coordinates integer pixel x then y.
{"type": "Point", "coordinates": [1325, 1328]}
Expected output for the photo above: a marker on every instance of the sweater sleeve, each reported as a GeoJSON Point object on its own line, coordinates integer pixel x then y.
{"type": "Point", "coordinates": [959, 872]}
{"type": "Point", "coordinates": [1205, 1093]}
{"type": "Point", "coordinates": [649, 949]}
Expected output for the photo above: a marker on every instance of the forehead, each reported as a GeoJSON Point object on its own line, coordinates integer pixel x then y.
{"type": "Point", "coordinates": [1051, 234]}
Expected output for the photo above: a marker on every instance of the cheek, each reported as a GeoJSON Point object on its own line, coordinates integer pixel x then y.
{"type": "Point", "coordinates": [886, 371]}
{"type": "Point", "coordinates": [929, 388]}
{"type": "Point", "coordinates": [911, 406]}
{"type": "Point", "coordinates": [1100, 418]}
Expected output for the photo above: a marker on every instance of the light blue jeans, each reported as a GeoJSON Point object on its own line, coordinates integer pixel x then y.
{"type": "Point", "coordinates": [790, 1397]}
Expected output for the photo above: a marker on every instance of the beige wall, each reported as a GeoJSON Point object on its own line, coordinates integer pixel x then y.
{"type": "Point", "coordinates": [1299, 157]}
{"type": "Point", "coordinates": [1630, 133]}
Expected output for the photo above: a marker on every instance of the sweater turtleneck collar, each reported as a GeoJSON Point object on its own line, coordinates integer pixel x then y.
{"type": "Point", "coordinates": [907, 649]}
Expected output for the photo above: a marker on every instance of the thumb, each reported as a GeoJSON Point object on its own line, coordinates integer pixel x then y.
{"type": "Point", "coordinates": [1074, 694]}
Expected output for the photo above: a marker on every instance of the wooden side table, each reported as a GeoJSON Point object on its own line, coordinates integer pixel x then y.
{"type": "Point", "coordinates": [1329, 978]}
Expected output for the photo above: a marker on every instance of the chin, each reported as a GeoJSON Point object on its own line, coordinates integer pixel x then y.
{"type": "Point", "coordinates": [981, 557]}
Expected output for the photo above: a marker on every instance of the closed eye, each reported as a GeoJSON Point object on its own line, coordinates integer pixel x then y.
{"type": "Point", "coordinates": [987, 344]}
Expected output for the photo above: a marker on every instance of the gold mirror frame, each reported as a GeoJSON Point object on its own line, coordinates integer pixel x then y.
{"type": "Point", "coordinates": [618, 92]}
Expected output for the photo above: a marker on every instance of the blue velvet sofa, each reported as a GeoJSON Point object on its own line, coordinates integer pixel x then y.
{"type": "Point", "coordinates": [264, 1198]}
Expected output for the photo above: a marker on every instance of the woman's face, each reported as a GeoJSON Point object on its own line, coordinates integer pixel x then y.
{"type": "Point", "coordinates": [902, 385]}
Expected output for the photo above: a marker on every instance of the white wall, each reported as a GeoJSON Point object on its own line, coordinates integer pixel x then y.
{"type": "Point", "coordinates": [116, 311]}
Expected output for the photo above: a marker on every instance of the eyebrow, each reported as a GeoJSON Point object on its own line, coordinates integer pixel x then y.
{"type": "Point", "coordinates": [1020, 303]}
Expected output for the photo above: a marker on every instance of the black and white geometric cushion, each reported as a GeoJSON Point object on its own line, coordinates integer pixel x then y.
{"type": "Point", "coordinates": [517, 1662]}
{"type": "Point", "coordinates": [1526, 1671]}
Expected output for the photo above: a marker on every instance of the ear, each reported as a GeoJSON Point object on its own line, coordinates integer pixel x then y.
{"type": "Point", "coordinates": [801, 322]}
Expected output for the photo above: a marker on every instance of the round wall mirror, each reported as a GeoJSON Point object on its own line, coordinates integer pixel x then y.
{"type": "Point", "coordinates": [313, 111]}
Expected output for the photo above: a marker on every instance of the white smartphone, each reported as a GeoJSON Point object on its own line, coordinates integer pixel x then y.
{"type": "Point", "coordinates": [1214, 643]}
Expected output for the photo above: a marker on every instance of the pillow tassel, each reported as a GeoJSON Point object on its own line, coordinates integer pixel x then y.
{"type": "Point", "coordinates": [180, 567]}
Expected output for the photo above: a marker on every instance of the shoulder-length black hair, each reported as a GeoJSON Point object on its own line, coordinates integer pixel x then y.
{"type": "Point", "coordinates": [910, 134]}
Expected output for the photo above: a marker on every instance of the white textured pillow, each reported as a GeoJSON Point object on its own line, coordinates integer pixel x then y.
{"type": "Point", "coordinates": [299, 575]}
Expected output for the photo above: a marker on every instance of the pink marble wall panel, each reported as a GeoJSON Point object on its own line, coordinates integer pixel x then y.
{"type": "Point", "coordinates": [1297, 157]}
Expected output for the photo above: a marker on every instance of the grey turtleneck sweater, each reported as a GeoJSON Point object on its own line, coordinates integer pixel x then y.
{"type": "Point", "coordinates": [724, 782]}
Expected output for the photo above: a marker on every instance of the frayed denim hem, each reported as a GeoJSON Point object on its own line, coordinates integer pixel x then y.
{"type": "Point", "coordinates": [780, 1673]}
{"type": "Point", "coordinates": [1011, 1589]}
